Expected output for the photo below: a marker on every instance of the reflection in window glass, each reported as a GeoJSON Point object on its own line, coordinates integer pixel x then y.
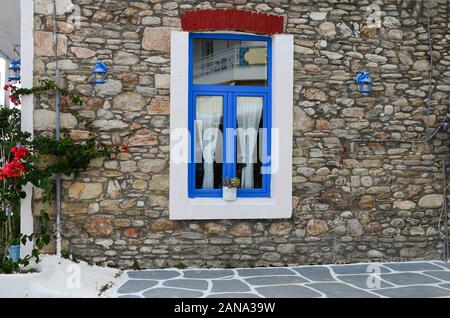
{"type": "Point", "coordinates": [208, 142]}
{"type": "Point", "coordinates": [249, 121]}
{"type": "Point", "coordinates": [230, 62]}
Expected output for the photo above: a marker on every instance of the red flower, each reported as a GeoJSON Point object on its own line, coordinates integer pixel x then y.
{"type": "Point", "coordinates": [13, 169]}
{"type": "Point", "coordinates": [15, 99]}
{"type": "Point", "coordinates": [20, 152]}
{"type": "Point", "coordinates": [9, 86]}
{"type": "Point", "coordinates": [125, 148]}
{"type": "Point", "coordinates": [2, 176]}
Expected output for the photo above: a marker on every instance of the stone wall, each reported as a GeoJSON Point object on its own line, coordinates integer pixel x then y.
{"type": "Point", "coordinates": [353, 200]}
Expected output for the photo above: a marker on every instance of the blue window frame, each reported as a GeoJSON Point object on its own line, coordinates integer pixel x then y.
{"type": "Point", "coordinates": [229, 95]}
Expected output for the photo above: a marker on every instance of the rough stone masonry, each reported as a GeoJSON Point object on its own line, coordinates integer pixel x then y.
{"type": "Point", "coordinates": [353, 200]}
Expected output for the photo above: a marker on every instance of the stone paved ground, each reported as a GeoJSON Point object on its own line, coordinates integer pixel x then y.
{"type": "Point", "coordinates": [411, 279]}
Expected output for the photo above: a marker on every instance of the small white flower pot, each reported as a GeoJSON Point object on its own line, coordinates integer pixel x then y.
{"type": "Point", "coordinates": [229, 194]}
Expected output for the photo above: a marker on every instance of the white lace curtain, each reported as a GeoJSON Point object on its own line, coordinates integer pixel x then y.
{"type": "Point", "coordinates": [249, 111]}
{"type": "Point", "coordinates": [209, 116]}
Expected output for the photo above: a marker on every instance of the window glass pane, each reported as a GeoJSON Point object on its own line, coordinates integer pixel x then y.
{"type": "Point", "coordinates": [249, 141]}
{"type": "Point", "coordinates": [208, 142]}
{"type": "Point", "coordinates": [229, 62]}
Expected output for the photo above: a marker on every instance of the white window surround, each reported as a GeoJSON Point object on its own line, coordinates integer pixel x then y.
{"type": "Point", "coordinates": [279, 205]}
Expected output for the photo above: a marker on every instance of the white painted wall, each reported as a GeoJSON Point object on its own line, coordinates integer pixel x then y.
{"type": "Point", "coordinates": [27, 56]}
{"type": "Point", "coordinates": [182, 207]}
{"type": "Point", "coordinates": [3, 80]}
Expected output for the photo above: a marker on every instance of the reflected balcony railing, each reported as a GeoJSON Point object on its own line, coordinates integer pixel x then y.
{"type": "Point", "coordinates": [227, 60]}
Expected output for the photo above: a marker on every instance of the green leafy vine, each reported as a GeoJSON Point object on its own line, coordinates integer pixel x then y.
{"type": "Point", "coordinates": [24, 159]}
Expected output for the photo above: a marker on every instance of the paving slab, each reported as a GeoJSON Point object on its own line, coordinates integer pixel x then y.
{"type": "Point", "coordinates": [442, 264]}
{"type": "Point", "coordinates": [409, 279]}
{"type": "Point", "coordinates": [233, 295]}
{"type": "Point", "coordinates": [447, 286]}
{"type": "Point", "coordinates": [246, 272]}
{"type": "Point", "coordinates": [135, 286]}
{"type": "Point", "coordinates": [318, 274]}
{"type": "Point", "coordinates": [413, 266]}
{"type": "Point", "coordinates": [207, 273]}
{"type": "Point", "coordinates": [365, 281]}
{"type": "Point", "coordinates": [359, 269]}
{"type": "Point", "coordinates": [288, 291]}
{"type": "Point", "coordinates": [227, 286]}
{"type": "Point", "coordinates": [442, 275]}
{"type": "Point", "coordinates": [171, 293]}
{"type": "Point", "coordinates": [340, 290]}
{"type": "Point", "coordinates": [187, 283]}
{"type": "Point", "coordinates": [414, 292]}
{"type": "Point", "coordinates": [153, 274]}
{"type": "Point", "coordinates": [275, 280]}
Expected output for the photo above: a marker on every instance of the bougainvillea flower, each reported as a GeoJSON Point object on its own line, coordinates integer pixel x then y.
{"type": "Point", "coordinates": [9, 86]}
{"type": "Point", "coordinates": [15, 99]}
{"type": "Point", "coordinates": [13, 169]}
{"type": "Point", "coordinates": [20, 152]}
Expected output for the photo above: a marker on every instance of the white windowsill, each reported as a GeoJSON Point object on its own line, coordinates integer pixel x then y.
{"type": "Point", "coordinates": [239, 202]}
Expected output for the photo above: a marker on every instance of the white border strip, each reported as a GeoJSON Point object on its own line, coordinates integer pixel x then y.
{"type": "Point", "coordinates": [27, 69]}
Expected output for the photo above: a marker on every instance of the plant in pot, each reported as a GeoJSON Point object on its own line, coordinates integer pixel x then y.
{"type": "Point", "coordinates": [230, 188]}
{"type": "Point", "coordinates": [14, 250]}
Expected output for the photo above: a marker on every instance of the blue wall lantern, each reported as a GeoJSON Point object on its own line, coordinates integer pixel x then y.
{"type": "Point", "coordinates": [364, 82]}
{"type": "Point", "coordinates": [14, 71]}
{"type": "Point", "coordinates": [99, 73]}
